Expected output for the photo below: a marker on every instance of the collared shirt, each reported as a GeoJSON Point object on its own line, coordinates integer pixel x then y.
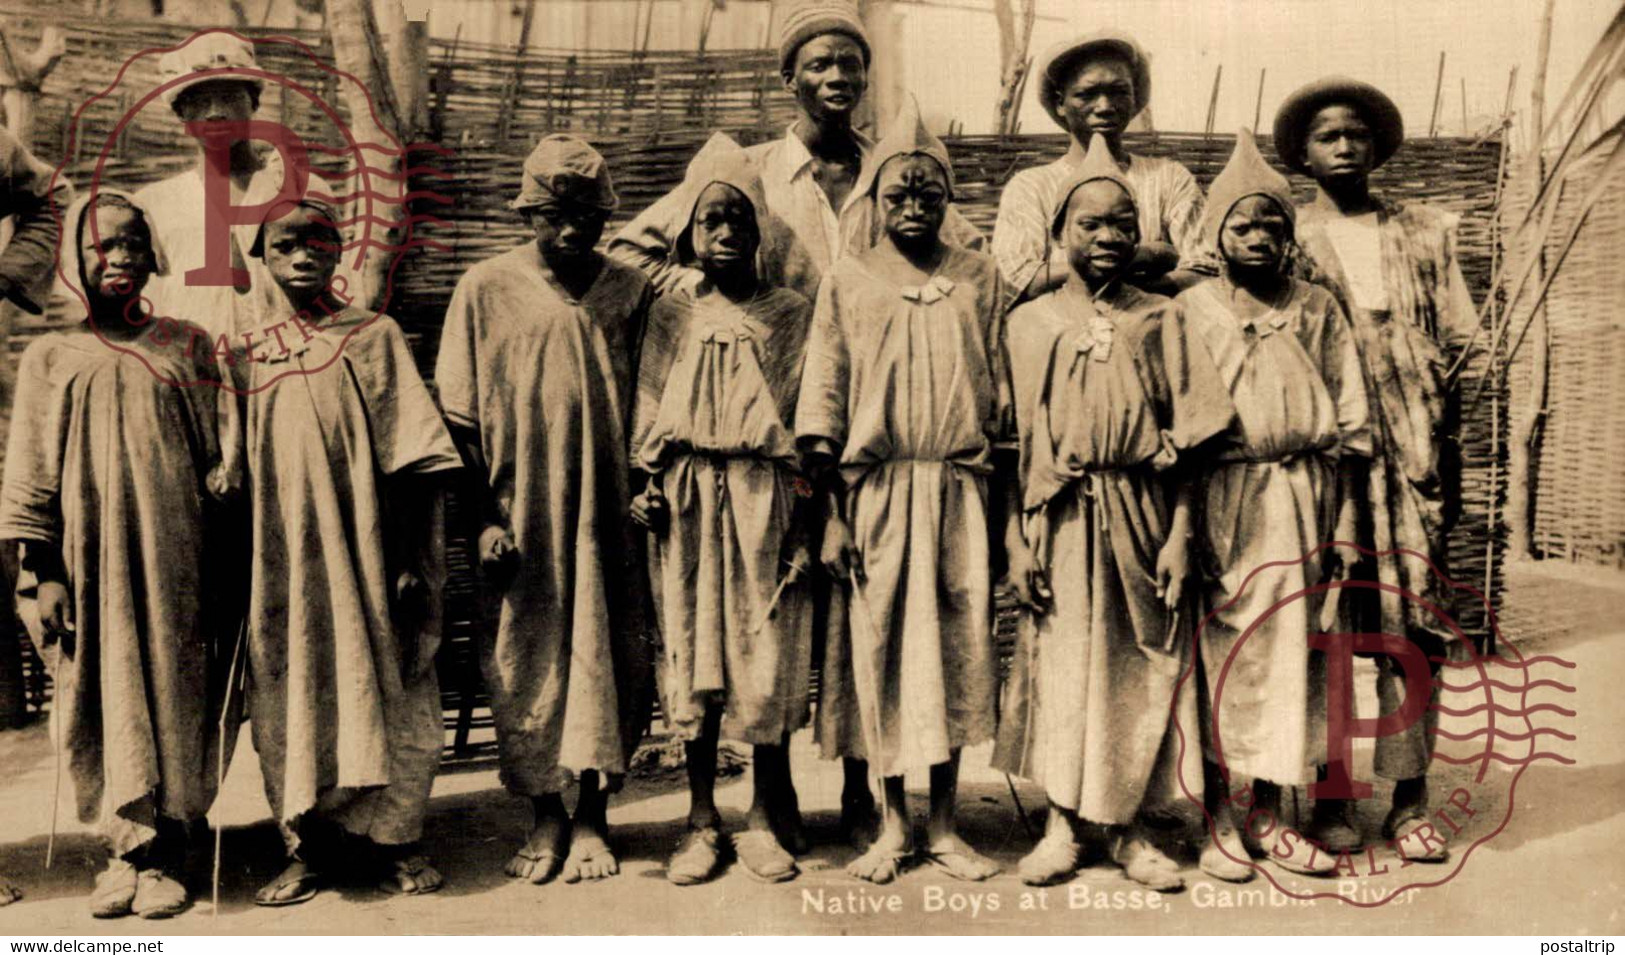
{"type": "Point", "coordinates": [794, 195]}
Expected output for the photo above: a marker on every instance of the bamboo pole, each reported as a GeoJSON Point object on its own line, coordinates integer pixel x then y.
{"type": "Point", "coordinates": [1438, 90]}
{"type": "Point", "coordinates": [1213, 101]}
{"type": "Point", "coordinates": [1526, 421]}
{"type": "Point", "coordinates": [1258, 104]}
{"type": "Point", "coordinates": [1464, 130]}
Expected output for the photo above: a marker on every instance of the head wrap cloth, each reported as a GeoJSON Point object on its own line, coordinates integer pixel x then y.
{"type": "Point", "coordinates": [719, 161]}
{"type": "Point", "coordinates": [565, 167]}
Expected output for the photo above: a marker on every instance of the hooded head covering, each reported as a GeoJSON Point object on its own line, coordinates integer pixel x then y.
{"type": "Point", "coordinates": [327, 214]}
{"type": "Point", "coordinates": [1246, 174]}
{"type": "Point", "coordinates": [720, 160]}
{"type": "Point", "coordinates": [1098, 163]}
{"type": "Point", "coordinates": [209, 51]}
{"type": "Point", "coordinates": [906, 136]}
{"type": "Point", "coordinates": [71, 261]}
{"type": "Point", "coordinates": [809, 18]}
{"type": "Point", "coordinates": [1061, 62]}
{"type": "Point", "coordinates": [565, 167]}
{"type": "Point", "coordinates": [1379, 112]}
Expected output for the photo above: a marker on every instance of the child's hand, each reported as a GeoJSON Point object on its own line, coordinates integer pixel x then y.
{"type": "Point", "coordinates": [56, 613]}
{"type": "Point", "coordinates": [411, 597]}
{"type": "Point", "coordinates": [1173, 565]}
{"type": "Point", "coordinates": [839, 554]}
{"type": "Point", "coordinates": [1029, 581]}
{"type": "Point", "coordinates": [499, 558]}
{"type": "Point", "coordinates": [649, 510]}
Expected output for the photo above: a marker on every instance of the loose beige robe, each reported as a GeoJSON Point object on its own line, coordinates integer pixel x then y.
{"type": "Point", "coordinates": [910, 384]}
{"type": "Point", "coordinates": [548, 382]}
{"type": "Point", "coordinates": [343, 699]}
{"type": "Point", "coordinates": [717, 390]}
{"type": "Point", "coordinates": [1109, 394]}
{"type": "Point", "coordinates": [1270, 500]}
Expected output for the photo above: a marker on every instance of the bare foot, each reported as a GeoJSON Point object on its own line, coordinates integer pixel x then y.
{"type": "Point", "coordinates": [883, 861]}
{"type": "Point", "coordinates": [1148, 865]}
{"type": "Point", "coordinates": [297, 883]}
{"type": "Point", "coordinates": [410, 874]}
{"type": "Point", "coordinates": [1053, 860]}
{"type": "Point", "coordinates": [542, 855]}
{"type": "Point", "coordinates": [590, 857]}
{"type": "Point", "coordinates": [954, 856]}
{"type": "Point", "coordinates": [9, 893]}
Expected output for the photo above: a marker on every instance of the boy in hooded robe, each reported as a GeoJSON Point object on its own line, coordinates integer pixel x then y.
{"type": "Point", "coordinates": [1273, 496]}
{"type": "Point", "coordinates": [1395, 270]}
{"type": "Point", "coordinates": [1094, 85]}
{"type": "Point", "coordinates": [904, 392]}
{"type": "Point", "coordinates": [111, 481]}
{"type": "Point", "coordinates": [537, 370]}
{"type": "Point", "coordinates": [346, 456]}
{"type": "Point", "coordinates": [717, 386]}
{"type": "Point", "coordinates": [1110, 401]}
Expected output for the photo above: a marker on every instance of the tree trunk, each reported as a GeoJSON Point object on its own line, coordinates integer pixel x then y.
{"type": "Point", "coordinates": [388, 54]}
{"type": "Point", "coordinates": [1015, 37]}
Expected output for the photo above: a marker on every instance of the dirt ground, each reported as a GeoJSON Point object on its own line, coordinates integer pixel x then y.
{"type": "Point", "coordinates": [1547, 859]}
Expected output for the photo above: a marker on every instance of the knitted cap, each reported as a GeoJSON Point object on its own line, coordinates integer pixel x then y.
{"type": "Point", "coordinates": [1246, 174]}
{"type": "Point", "coordinates": [565, 167]}
{"type": "Point", "coordinates": [1060, 62]}
{"type": "Point", "coordinates": [1098, 163]}
{"type": "Point", "coordinates": [805, 19]}
{"type": "Point", "coordinates": [214, 51]}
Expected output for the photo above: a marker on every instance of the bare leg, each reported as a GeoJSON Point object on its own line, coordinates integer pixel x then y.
{"type": "Point", "coordinates": [590, 856]}
{"type": "Point", "coordinates": [759, 848]}
{"type": "Point", "coordinates": [698, 856]}
{"type": "Point", "coordinates": [540, 858]}
{"type": "Point", "coordinates": [857, 804]}
{"type": "Point", "coordinates": [947, 850]}
{"type": "Point", "coordinates": [1055, 857]}
{"type": "Point", "coordinates": [9, 892]}
{"type": "Point", "coordinates": [784, 808]}
{"type": "Point", "coordinates": [883, 860]}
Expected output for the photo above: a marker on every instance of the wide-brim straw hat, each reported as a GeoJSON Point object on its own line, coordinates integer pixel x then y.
{"type": "Point", "coordinates": [1379, 112]}
{"type": "Point", "coordinates": [1061, 61]}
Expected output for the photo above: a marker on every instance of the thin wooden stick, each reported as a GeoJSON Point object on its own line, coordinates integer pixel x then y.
{"type": "Point", "coordinates": [1258, 105]}
{"type": "Point", "coordinates": [220, 756]}
{"type": "Point", "coordinates": [1438, 90]}
{"type": "Point", "coordinates": [1213, 101]}
{"type": "Point", "coordinates": [1464, 130]}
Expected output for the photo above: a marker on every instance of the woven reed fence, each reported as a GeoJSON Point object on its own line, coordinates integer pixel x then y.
{"type": "Point", "coordinates": [1578, 483]}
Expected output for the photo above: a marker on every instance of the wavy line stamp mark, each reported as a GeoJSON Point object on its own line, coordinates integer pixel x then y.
{"type": "Point", "coordinates": [1489, 731]}
{"type": "Point", "coordinates": [377, 204]}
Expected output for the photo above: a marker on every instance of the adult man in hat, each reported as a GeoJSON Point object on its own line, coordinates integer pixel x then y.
{"type": "Point", "coordinates": [200, 94]}
{"type": "Point", "coordinates": [808, 174]}
{"type": "Point", "coordinates": [1395, 270]}
{"type": "Point", "coordinates": [1092, 84]}
{"type": "Point", "coordinates": [808, 178]}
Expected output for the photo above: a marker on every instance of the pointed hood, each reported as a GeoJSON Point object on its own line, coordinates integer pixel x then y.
{"type": "Point", "coordinates": [1246, 174]}
{"type": "Point", "coordinates": [70, 273]}
{"type": "Point", "coordinates": [906, 136]}
{"type": "Point", "coordinates": [1098, 163]}
{"type": "Point", "coordinates": [720, 160]}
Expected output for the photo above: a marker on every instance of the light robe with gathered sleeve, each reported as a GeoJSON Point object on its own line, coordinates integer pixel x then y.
{"type": "Point", "coordinates": [1270, 500]}
{"type": "Point", "coordinates": [717, 389]}
{"type": "Point", "coordinates": [108, 458]}
{"type": "Point", "coordinates": [1413, 489]}
{"type": "Point", "coordinates": [1166, 195]}
{"type": "Point", "coordinates": [343, 700]}
{"type": "Point", "coordinates": [910, 385]}
{"type": "Point", "coordinates": [547, 382]}
{"type": "Point", "coordinates": [1109, 394]}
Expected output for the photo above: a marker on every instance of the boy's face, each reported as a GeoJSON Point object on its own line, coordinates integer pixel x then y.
{"type": "Point", "coordinates": [724, 232]}
{"type": "Point", "coordinates": [566, 230]}
{"type": "Point", "coordinates": [117, 253]}
{"type": "Point", "coordinates": [828, 78]}
{"type": "Point", "coordinates": [1339, 145]}
{"type": "Point", "coordinates": [1254, 234]}
{"type": "Point", "coordinates": [301, 251]}
{"type": "Point", "coordinates": [913, 194]}
{"type": "Point", "coordinates": [1099, 99]}
{"type": "Point", "coordinates": [1101, 230]}
{"type": "Point", "coordinates": [216, 101]}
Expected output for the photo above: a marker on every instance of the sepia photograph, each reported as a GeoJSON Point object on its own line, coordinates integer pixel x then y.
{"type": "Point", "coordinates": [517, 468]}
